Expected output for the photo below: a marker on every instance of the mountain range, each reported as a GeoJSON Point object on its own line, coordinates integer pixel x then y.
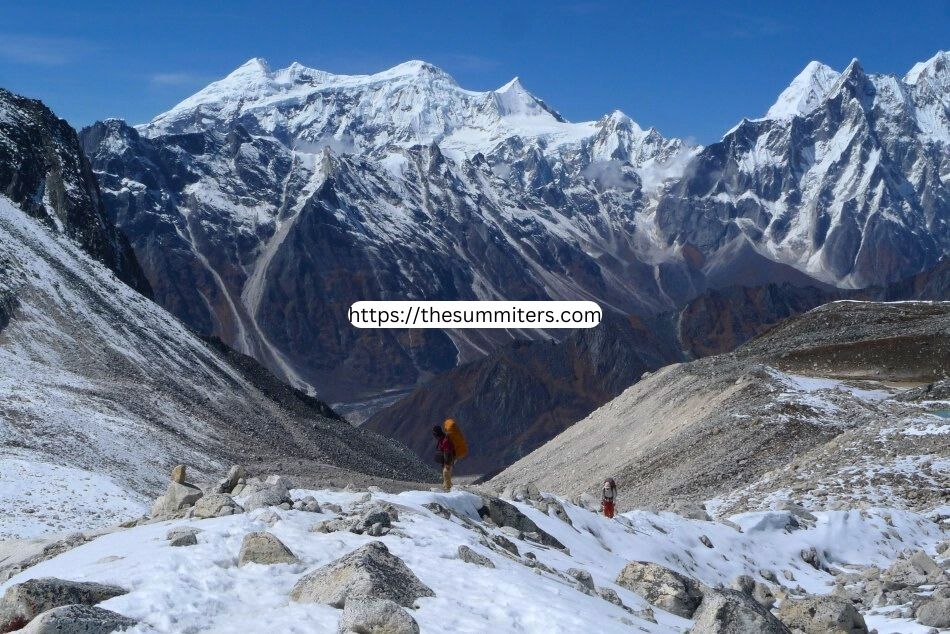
{"type": "Point", "coordinates": [266, 203]}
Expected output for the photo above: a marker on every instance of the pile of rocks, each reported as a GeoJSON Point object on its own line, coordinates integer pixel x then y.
{"type": "Point", "coordinates": [744, 607]}
{"type": "Point", "coordinates": [914, 586]}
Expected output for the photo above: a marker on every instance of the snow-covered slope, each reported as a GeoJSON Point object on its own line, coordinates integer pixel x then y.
{"type": "Point", "coordinates": [104, 389]}
{"type": "Point", "coordinates": [201, 589]}
{"type": "Point", "coordinates": [811, 395]}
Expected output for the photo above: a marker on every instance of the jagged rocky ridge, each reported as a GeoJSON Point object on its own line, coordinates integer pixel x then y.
{"type": "Point", "coordinates": [267, 202]}
{"type": "Point", "coordinates": [44, 170]}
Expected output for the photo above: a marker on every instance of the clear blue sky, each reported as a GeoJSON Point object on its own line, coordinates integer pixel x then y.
{"type": "Point", "coordinates": [692, 69]}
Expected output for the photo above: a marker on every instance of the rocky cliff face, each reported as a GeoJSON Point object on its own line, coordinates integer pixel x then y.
{"type": "Point", "coordinates": [43, 170]}
{"type": "Point", "coordinates": [266, 203]}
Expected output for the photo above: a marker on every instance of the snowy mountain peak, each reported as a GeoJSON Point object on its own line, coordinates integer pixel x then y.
{"type": "Point", "coordinates": [935, 69]}
{"type": "Point", "coordinates": [805, 92]}
{"type": "Point", "coordinates": [514, 100]}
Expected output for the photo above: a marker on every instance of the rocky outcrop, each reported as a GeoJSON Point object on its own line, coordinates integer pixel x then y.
{"type": "Point", "coordinates": [265, 549]}
{"type": "Point", "coordinates": [178, 496]}
{"type": "Point", "coordinates": [662, 587]}
{"type": "Point", "coordinates": [369, 572]}
{"type": "Point", "coordinates": [469, 556]}
{"type": "Point", "coordinates": [504, 514]}
{"type": "Point", "coordinates": [216, 505]}
{"type": "Point", "coordinates": [376, 616]}
{"type": "Point", "coordinates": [24, 601]}
{"type": "Point", "coordinates": [732, 612]}
{"type": "Point", "coordinates": [78, 619]}
{"type": "Point", "coordinates": [822, 615]}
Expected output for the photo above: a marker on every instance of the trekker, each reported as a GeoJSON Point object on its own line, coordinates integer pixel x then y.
{"type": "Point", "coordinates": [610, 496]}
{"type": "Point", "coordinates": [445, 455]}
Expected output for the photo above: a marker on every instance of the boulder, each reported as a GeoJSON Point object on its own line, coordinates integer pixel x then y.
{"type": "Point", "coordinates": [23, 601]}
{"type": "Point", "coordinates": [184, 539]}
{"type": "Point", "coordinates": [78, 619]}
{"type": "Point", "coordinates": [795, 509]}
{"type": "Point", "coordinates": [756, 589]}
{"type": "Point", "coordinates": [264, 548]}
{"type": "Point", "coordinates": [270, 495]}
{"type": "Point", "coordinates": [664, 588]}
{"type": "Point", "coordinates": [308, 504]}
{"type": "Point", "coordinates": [369, 572]}
{"type": "Point", "coordinates": [610, 595]}
{"type": "Point", "coordinates": [690, 510]}
{"type": "Point", "coordinates": [230, 481]}
{"type": "Point", "coordinates": [507, 544]}
{"type": "Point", "coordinates": [935, 613]}
{"type": "Point", "coordinates": [178, 474]}
{"type": "Point", "coordinates": [915, 570]}
{"type": "Point", "coordinates": [733, 612]}
{"type": "Point", "coordinates": [505, 514]}
{"type": "Point", "coordinates": [811, 557]}
{"type": "Point", "coordinates": [376, 616]}
{"type": "Point", "coordinates": [216, 505]}
{"type": "Point", "coordinates": [825, 614]}
{"type": "Point", "coordinates": [375, 515]}
{"type": "Point", "coordinates": [177, 496]}
{"type": "Point", "coordinates": [583, 578]}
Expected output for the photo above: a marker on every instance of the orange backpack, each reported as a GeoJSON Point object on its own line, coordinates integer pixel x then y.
{"type": "Point", "coordinates": [454, 432]}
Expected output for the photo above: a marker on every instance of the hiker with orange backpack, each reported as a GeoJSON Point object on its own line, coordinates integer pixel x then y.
{"type": "Point", "coordinates": [609, 497]}
{"type": "Point", "coordinates": [450, 447]}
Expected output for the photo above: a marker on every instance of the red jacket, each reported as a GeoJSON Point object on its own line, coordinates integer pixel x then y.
{"type": "Point", "coordinates": [446, 450]}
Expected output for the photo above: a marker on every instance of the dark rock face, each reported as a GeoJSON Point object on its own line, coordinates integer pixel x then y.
{"type": "Point", "coordinates": [43, 170]}
{"type": "Point", "coordinates": [524, 394]}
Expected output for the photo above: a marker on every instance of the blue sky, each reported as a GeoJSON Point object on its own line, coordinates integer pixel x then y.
{"type": "Point", "coordinates": [692, 69]}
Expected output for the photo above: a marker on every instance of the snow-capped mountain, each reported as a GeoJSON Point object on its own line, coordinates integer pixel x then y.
{"type": "Point", "coordinates": [266, 203]}
{"type": "Point", "coordinates": [845, 178]}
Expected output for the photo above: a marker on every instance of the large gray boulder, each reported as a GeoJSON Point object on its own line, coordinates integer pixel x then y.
{"type": "Point", "coordinates": [826, 614]}
{"type": "Point", "coordinates": [216, 505]}
{"type": "Point", "coordinates": [230, 481]}
{"type": "Point", "coordinates": [664, 588]}
{"type": "Point", "coordinates": [505, 514]}
{"type": "Point", "coordinates": [178, 496]}
{"type": "Point", "coordinates": [376, 616]}
{"type": "Point", "coordinates": [370, 571]}
{"type": "Point", "coordinates": [935, 613]}
{"type": "Point", "coordinates": [469, 556]}
{"type": "Point", "coordinates": [264, 548]}
{"type": "Point", "coordinates": [755, 589]}
{"type": "Point", "coordinates": [78, 619]}
{"type": "Point", "coordinates": [23, 601]}
{"type": "Point", "coordinates": [734, 612]}
{"type": "Point", "coordinates": [274, 492]}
